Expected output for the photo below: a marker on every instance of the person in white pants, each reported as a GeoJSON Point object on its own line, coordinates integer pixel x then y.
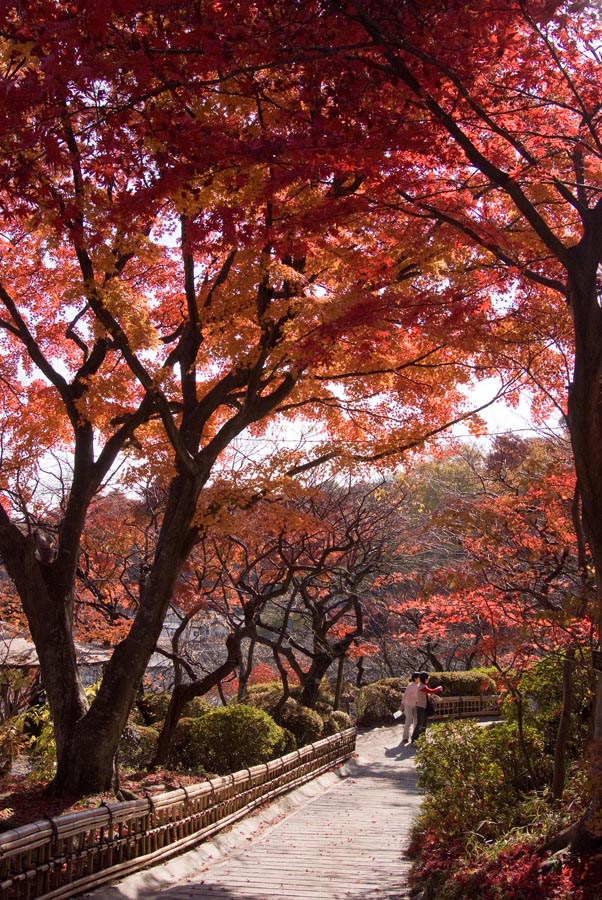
{"type": "Point", "coordinates": [408, 706]}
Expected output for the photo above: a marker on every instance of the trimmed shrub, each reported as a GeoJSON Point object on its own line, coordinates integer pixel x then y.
{"type": "Point", "coordinates": [472, 683]}
{"type": "Point", "coordinates": [183, 752]}
{"type": "Point", "coordinates": [264, 696]}
{"type": "Point", "coordinates": [290, 742]}
{"type": "Point", "coordinates": [137, 746]}
{"type": "Point", "coordinates": [306, 724]}
{"type": "Point", "coordinates": [325, 698]}
{"type": "Point", "coordinates": [378, 701]}
{"type": "Point", "coordinates": [233, 737]}
{"type": "Point", "coordinates": [335, 722]}
{"type": "Point", "coordinates": [197, 707]}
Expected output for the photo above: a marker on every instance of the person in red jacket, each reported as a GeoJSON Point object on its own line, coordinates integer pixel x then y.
{"type": "Point", "coordinates": [422, 696]}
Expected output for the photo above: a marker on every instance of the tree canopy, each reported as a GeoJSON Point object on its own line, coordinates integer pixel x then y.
{"type": "Point", "coordinates": [221, 220]}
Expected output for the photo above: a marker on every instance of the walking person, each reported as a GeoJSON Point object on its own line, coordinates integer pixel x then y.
{"type": "Point", "coordinates": [422, 699]}
{"type": "Point", "coordinates": [408, 706]}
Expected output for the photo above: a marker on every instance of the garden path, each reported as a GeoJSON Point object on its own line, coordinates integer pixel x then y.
{"type": "Point", "coordinates": [342, 836]}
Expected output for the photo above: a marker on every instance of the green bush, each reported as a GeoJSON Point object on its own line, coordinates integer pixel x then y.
{"type": "Point", "coordinates": [471, 683]}
{"type": "Point", "coordinates": [183, 751]}
{"type": "Point", "coordinates": [157, 705]}
{"type": "Point", "coordinates": [335, 722]}
{"type": "Point", "coordinates": [378, 701]}
{"type": "Point", "coordinates": [243, 737]}
{"type": "Point", "coordinates": [137, 746]}
{"type": "Point", "coordinates": [290, 742]}
{"type": "Point", "coordinates": [475, 777]}
{"type": "Point", "coordinates": [12, 742]}
{"type": "Point", "coordinates": [306, 724]}
{"type": "Point", "coordinates": [324, 702]}
{"type": "Point", "coordinates": [264, 696]}
{"type": "Point", "coordinates": [197, 707]}
{"type": "Point", "coordinates": [234, 737]}
{"type": "Point", "coordinates": [41, 748]}
{"type": "Point", "coordinates": [541, 688]}
{"type": "Point", "coordinates": [268, 694]}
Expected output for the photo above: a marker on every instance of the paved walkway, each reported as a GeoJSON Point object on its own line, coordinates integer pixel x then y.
{"type": "Point", "coordinates": [340, 837]}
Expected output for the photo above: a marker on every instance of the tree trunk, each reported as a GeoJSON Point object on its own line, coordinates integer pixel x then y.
{"type": "Point", "coordinates": [244, 670]}
{"type": "Point", "coordinates": [585, 427]}
{"type": "Point", "coordinates": [564, 725]}
{"type": "Point", "coordinates": [87, 747]}
{"type": "Point", "coordinates": [320, 665]}
{"type": "Point", "coordinates": [359, 677]}
{"type": "Point", "coordinates": [183, 693]}
{"type": "Point", "coordinates": [339, 686]}
{"type": "Point", "coordinates": [46, 590]}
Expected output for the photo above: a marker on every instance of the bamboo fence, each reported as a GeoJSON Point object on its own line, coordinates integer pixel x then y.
{"type": "Point", "coordinates": [467, 707]}
{"type": "Point", "coordinates": [69, 854]}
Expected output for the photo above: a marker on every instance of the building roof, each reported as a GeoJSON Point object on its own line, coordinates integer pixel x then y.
{"type": "Point", "coordinates": [20, 653]}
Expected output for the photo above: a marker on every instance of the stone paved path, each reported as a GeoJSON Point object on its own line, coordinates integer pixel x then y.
{"type": "Point", "coordinates": [341, 837]}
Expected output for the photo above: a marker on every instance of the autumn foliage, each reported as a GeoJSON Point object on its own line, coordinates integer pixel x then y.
{"type": "Point", "coordinates": [256, 220]}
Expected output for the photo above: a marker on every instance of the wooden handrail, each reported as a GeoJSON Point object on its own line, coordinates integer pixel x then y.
{"type": "Point", "coordinates": [61, 857]}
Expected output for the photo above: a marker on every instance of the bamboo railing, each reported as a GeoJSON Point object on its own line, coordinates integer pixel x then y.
{"type": "Point", "coordinates": [61, 857]}
{"type": "Point", "coordinates": [465, 707]}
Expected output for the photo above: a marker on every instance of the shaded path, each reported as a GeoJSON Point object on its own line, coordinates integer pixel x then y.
{"type": "Point", "coordinates": [341, 836]}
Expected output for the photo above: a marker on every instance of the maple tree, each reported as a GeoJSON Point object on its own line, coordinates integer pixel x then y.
{"type": "Point", "coordinates": [514, 584]}
{"type": "Point", "coordinates": [213, 221]}
{"type": "Point", "coordinates": [321, 621]}
{"type": "Point", "coordinates": [291, 578]}
{"type": "Point", "coordinates": [508, 99]}
{"type": "Point", "coordinates": [184, 257]}
{"type": "Point", "coordinates": [518, 589]}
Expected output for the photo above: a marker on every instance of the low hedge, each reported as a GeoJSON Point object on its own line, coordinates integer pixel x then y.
{"type": "Point", "coordinates": [335, 722]}
{"type": "Point", "coordinates": [472, 683]}
{"type": "Point", "coordinates": [306, 724]}
{"type": "Point", "coordinates": [235, 737]}
{"type": "Point", "coordinates": [378, 701]}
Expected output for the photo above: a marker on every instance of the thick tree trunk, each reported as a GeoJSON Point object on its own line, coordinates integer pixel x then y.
{"type": "Point", "coordinates": [46, 590]}
{"type": "Point", "coordinates": [311, 684]}
{"type": "Point", "coordinates": [585, 426]}
{"type": "Point", "coordinates": [86, 756]}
